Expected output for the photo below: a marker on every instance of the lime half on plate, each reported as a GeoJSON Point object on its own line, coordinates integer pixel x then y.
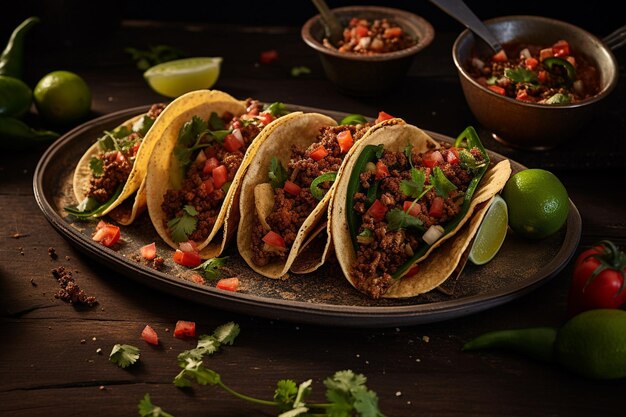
{"type": "Point", "coordinates": [491, 233]}
{"type": "Point", "coordinates": [174, 78]}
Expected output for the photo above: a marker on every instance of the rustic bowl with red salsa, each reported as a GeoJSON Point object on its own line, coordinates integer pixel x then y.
{"type": "Point", "coordinates": [546, 84]}
{"type": "Point", "coordinates": [377, 49]}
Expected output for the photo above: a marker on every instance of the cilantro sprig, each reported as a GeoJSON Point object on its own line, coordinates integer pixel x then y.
{"type": "Point", "coordinates": [181, 227]}
{"type": "Point", "coordinates": [147, 409]}
{"type": "Point", "coordinates": [211, 268]}
{"type": "Point", "coordinates": [442, 184]}
{"type": "Point", "coordinates": [124, 355]}
{"type": "Point", "coordinates": [277, 173]}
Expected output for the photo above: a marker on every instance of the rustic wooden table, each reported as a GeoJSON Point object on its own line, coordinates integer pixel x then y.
{"type": "Point", "coordinates": [54, 357]}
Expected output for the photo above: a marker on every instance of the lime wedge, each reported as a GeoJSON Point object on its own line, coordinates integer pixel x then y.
{"type": "Point", "coordinates": [174, 78]}
{"type": "Point", "coordinates": [491, 233]}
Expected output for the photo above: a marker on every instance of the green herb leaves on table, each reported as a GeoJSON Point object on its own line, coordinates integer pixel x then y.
{"type": "Point", "coordinates": [124, 355]}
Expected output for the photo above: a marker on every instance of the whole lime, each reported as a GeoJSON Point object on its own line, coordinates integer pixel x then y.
{"type": "Point", "coordinates": [62, 97]}
{"type": "Point", "coordinates": [537, 202]}
{"type": "Point", "coordinates": [16, 96]}
{"type": "Point", "coordinates": [593, 344]}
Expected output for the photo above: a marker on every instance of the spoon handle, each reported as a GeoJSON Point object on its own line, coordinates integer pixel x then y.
{"type": "Point", "coordinates": [459, 10]}
{"type": "Point", "coordinates": [334, 30]}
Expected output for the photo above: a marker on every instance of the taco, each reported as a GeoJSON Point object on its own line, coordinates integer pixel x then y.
{"type": "Point", "coordinates": [113, 169]}
{"type": "Point", "coordinates": [206, 142]}
{"type": "Point", "coordinates": [402, 198]}
{"type": "Point", "coordinates": [286, 191]}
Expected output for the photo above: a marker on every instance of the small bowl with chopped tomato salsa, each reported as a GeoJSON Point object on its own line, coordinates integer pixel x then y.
{"type": "Point", "coordinates": [547, 82]}
{"type": "Point", "coordinates": [376, 51]}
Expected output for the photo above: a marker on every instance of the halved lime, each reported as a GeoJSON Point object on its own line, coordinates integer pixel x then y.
{"type": "Point", "coordinates": [174, 78]}
{"type": "Point", "coordinates": [491, 233]}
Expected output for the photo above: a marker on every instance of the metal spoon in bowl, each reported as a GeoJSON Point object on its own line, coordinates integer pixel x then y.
{"type": "Point", "coordinates": [334, 31]}
{"type": "Point", "coordinates": [459, 10]}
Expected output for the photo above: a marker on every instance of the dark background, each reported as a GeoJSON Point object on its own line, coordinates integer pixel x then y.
{"type": "Point", "coordinates": [84, 22]}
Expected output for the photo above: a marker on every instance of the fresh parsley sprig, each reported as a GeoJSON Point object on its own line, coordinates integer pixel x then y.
{"type": "Point", "coordinates": [181, 227]}
{"type": "Point", "coordinates": [211, 268]}
{"type": "Point", "coordinates": [124, 355]}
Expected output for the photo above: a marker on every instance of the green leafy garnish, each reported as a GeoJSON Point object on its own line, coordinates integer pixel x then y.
{"type": "Point", "coordinates": [317, 192]}
{"type": "Point", "coordinates": [468, 161]}
{"type": "Point", "coordinates": [277, 173]}
{"type": "Point", "coordinates": [215, 122]}
{"type": "Point", "coordinates": [408, 152]}
{"type": "Point", "coordinates": [520, 75]}
{"type": "Point", "coordinates": [211, 268]}
{"type": "Point", "coordinates": [443, 186]}
{"type": "Point", "coordinates": [107, 142]}
{"type": "Point", "coordinates": [146, 58]}
{"type": "Point", "coordinates": [142, 125]}
{"type": "Point", "coordinates": [400, 219]}
{"type": "Point", "coordinates": [372, 193]}
{"type": "Point", "coordinates": [181, 227]}
{"type": "Point", "coordinates": [188, 134]}
{"type": "Point", "coordinates": [347, 391]}
{"type": "Point", "coordinates": [492, 80]}
{"type": "Point", "coordinates": [353, 119]}
{"type": "Point", "coordinates": [124, 355]}
{"type": "Point", "coordinates": [277, 109]}
{"type": "Point", "coordinates": [147, 409]}
{"type": "Point", "coordinates": [96, 165]}
{"type": "Point", "coordinates": [90, 207]}
{"type": "Point", "coordinates": [299, 70]}
{"type": "Point", "coordinates": [559, 98]}
{"type": "Point", "coordinates": [414, 187]}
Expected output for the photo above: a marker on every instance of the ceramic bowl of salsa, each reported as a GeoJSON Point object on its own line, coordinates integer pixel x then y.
{"type": "Point", "coordinates": [378, 47]}
{"type": "Point", "coordinates": [547, 84]}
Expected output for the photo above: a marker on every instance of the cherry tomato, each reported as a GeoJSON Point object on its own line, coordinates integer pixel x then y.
{"type": "Point", "coordinates": [185, 329]}
{"type": "Point", "coordinates": [598, 279]}
{"type": "Point", "coordinates": [149, 335]}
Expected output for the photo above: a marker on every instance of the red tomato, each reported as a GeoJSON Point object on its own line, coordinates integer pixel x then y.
{"type": "Point", "coordinates": [208, 185]}
{"type": "Point", "coordinates": [598, 279]}
{"type": "Point", "coordinates": [274, 239]}
{"type": "Point", "coordinates": [149, 335]}
{"type": "Point", "coordinates": [381, 170]}
{"type": "Point", "coordinates": [453, 156]}
{"type": "Point", "coordinates": [377, 210]}
{"type": "Point", "coordinates": [432, 159]}
{"type": "Point", "coordinates": [107, 234]}
{"type": "Point", "coordinates": [497, 89]}
{"type": "Point", "coordinates": [412, 209]}
{"type": "Point", "coordinates": [531, 63]}
{"type": "Point", "coordinates": [499, 56]}
{"type": "Point", "coordinates": [266, 118]}
{"type": "Point", "coordinates": [318, 153]}
{"type": "Point", "coordinates": [361, 31]}
{"type": "Point", "coordinates": [135, 148]}
{"type": "Point", "coordinates": [228, 284]}
{"type": "Point", "coordinates": [292, 188]}
{"type": "Point", "coordinates": [268, 56]}
{"type": "Point", "coordinates": [148, 251]}
{"type": "Point", "coordinates": [414, 270]}
{"type": "Point", "coordinates": [392, 32]}
{"type": "Point", "coordinates": [185, 329]}
{"type": "Point", "coordinates": [210, 164]}
{"type": "Point", "coordinates": [231, 143]}
{"type": "Point", "coordinates": [188, 259]}
{"type": "Point", "coordinates": [220, 176]}
{"type": "Point", "coordinates": [345, 140]}
{"type": "Point", "coordinates": [383, 116]}
{"type": "Point", "coordinates": [561, 48]}
{"type": "Point", "coordinates": [436, 207]}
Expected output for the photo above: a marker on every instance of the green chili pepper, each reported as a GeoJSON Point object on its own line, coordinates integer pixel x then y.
{"type": "Point", "coordinates": [353, 119]}
{"type": "Point", "coordinates": [551, 63]}
{"type": "Point", "coordinates": [90, 207]}
{"type": "Point", "coordinates": [317, 192]}
{"type": "Point", "coordinates": [12, 58]}
{"type": "Point", "coordinates": [535, 342]}
{"type": "Point", "coordinates": [17, 135]}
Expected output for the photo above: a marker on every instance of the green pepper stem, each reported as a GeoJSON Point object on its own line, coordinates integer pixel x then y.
{"type": "Point", "coordinates": [534, 342]}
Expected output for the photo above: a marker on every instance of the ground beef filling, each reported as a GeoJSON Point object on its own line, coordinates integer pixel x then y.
{"type": "Point", "coordinates": [378, 36]}
{"type": "Point", "coordinates": [291, 211]}
{"type": "Point", "coordinates": [378, 259]}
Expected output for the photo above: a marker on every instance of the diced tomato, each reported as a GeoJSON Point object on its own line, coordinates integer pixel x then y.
{"type": "Point", "coordinates": [120, 158]}
{"type": "Point", "coordinates": [292, 188]}
{"type": "Point", "coordinates": [185, 329]}
{"type": "Point", "coordinates": [198, 279]}
{"type": "Point", "coordinates": [561, 48]}
{"type": "Point", "coordinates": [414, 270]}
{"type": "Point", "coordinates": [149, 335]}
{"type": "Point", "coordinates": [268, 56]}
{"type": "Point", "coordinates": [188, 259]}
{"type": "Point", "coordinates": [210, 164]}
{"type": "Point", "coordinates": [236, 124]}
{"type": "Point", "coordinates": [266, 118]}
{"type": "Point", "coordinates": [412, 209]}
{"type": "Point", "coordinates": [436, 207]}
{"type": "Point", "coordinates": [497, 89]}
{"type": "Point", "coordinates": [392, 32]}
{"type": "Point", "coordinates": [220, 176]}
{"type": "Point", "coordinates": [453, 156]}
{"type": "Point", "coordinates": [135, 148]}
{"type": "Point", "coordinates": [381, 170]}
{"type": "Point", "coordinates": [531, 63]}
{"type": "Point", "coordinates": [432, 159]}
{"type": "Point", "coordinates": [228, 284]}
{"type": "Point", "coordinates": [542, 76]}
{"type": "Point", "coordinates": [148, 251]}
{"type": "Point", "coordinates": [522, 95]}
{"type": "Point", "coordinates": [500, 56]}
{"type": "Point", "coordinates": [377, 210]}
{"type": "Point", "coordinates": [319, 153]}
{"type": "Point", "coordinates": [383, 116]}
{"type": "Point", "coordinates": [546, 53]}
{"type": "Point", "coordinates": [361, 31]}
{"type": "Point", "coordinates": [107, 234]}
{"type": "Point", "coordinates": [274, 239]}
{"type": "Point", "coordinates": [345, 140]}
{"type": "Point", "coordinates": [231, 143]}
{"type": "Point", "coordinates": [207, 185]}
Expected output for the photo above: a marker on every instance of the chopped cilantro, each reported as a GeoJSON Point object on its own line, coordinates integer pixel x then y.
{"type": "Point", "coordinates": [188, 134]}
{"type": "Point", "coordinates": [124, 355]}
{"type": "Point", "coordinates": [277, 109]}
{"type": "Point", "coordinates": [107, 142]}
{"type": "Point", "coordinates": [277, 173]}
{"type": "Point", "coordinates": [399, 219]}
{"type": "Point", "coordinates": [520, 75]}
{"type": "Point", "coordinates": [181, 227]}
{"type": "Point", "coordinates": [442, 185]}
{"type": "Point", "coordinates": [215, 122]}
{"type": "Point", "coordinates": [559, 98]}
{"type": "Point", "coordinates": [147, 409]}
{"type": "Point", "coordinates": [142, 125]}
{"type": "Point", "coordinates": [285, 394]}
{"type": "Point", "coordinates": [299, 70]}
{"type": "Point", "coordinates": [408, 152]}
{"type": "Point", "coordinates": [414, 187]}
{"type": "Point", "coordinates": [96, 165]}
{"type": "Point", "coordinates": [211, 268]}
{"type": "Point", "coordinates": [353, 119]}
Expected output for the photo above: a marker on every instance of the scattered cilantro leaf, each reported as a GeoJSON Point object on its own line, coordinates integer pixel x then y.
{"type": "Point", "coordinates": [442, 185]}
{"type": "Point", "coordinates": [209, 344]}
{"type": "Point", "coordinates": [211, 268]}
{"type": "Point", "coordinates": [353, 119]}
{"type": "Point", "coordinates": [285, 394]}
{"type": "Point", "coordinates": [277, 173]}
{"type": "Point", "coordinates": [216, 122]}
{"type": "Point", "coordinates": [277, 109]}
{"type": "Point", "coordinates": [194, 370]}
{"type": "Point", "coordinates": [142, 125]}
{"type": "Point", "coordinates": [414, 187]}
{"type": "Point", "coordinates": [96, 165]}
{"type": "Point", "coordinates": [520, 75]}
{"type": "Point", "coordinates": [124, 355]}
{"type": "Point", "coordinates": [399, 219]}
{"type": "Point", "coordinates": [146, 58]}
{"type": "Point", "coordinates": [147, 409]}
{"type": "Point", "coordinates": [190, 131]}
{"type": "Point", "coordinates": [226, 333]}
{"type": "Point", "coordinates": [107, 142]}
{"type": "Point", "coordinates": [559, 98]}
{"type": "Point", "coordinates": [181, 227]}
{"type": "Point", "coordinates": [408, 152]}
{"type": "Point", "coordinates": [299, 70]}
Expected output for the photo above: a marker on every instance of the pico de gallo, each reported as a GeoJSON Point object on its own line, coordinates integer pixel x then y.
{"type": "Point", "coordinates": [209, 153]}
{"type": "Point", "coordinates": [532, 73]}
{"type": "Point", "coordinates": [379, 36]}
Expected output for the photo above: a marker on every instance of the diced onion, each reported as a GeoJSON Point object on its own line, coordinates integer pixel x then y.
{"type": "Point", "coordinates": [186, 246]}
{"type": "Point", "coordinates": [370, 167]}
{"type": "Point", "coordinates": [238, 135]}
{"type": "Point", "coordinates": [525, 53]}
{"type": "Point", "coordinates": [433, 234]}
